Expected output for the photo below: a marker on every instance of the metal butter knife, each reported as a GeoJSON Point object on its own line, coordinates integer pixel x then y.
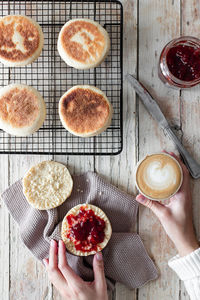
{"type": "Point", "coordinates": [157, 114]}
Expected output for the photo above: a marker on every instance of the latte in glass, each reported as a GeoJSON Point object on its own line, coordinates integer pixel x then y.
{"type": "Point", "coordinates": [158, 176]}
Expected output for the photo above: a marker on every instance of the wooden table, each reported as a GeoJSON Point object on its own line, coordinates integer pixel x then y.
{"type": "Point", "coordinates": [148, 26]}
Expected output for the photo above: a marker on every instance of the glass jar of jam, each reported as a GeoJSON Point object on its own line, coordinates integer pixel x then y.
{"type": "Point", "coordinates": [179, 64]}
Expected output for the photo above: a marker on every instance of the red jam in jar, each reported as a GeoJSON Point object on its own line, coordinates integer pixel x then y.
{"type": "Point", "coordinates": [86, 230]}
{"type": "Point", "coordinates": [180, 62]}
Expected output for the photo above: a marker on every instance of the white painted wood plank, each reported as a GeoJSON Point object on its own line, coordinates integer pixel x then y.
{"type": "Point", "coordinates": [76, 165]}
{"type": "Point", "coordinates": [119, 169]}
{"type": "Point", "coordinates": [159, 22]}
{"type": "Point", "coordinates": [190, 104]}
{"type": "Point", "coordinates": [4, 215]}
{"type": "Point", "coordinates": [4, 232]}
{"type": "Point", "coordinates": [160, 25]}
{"type": "Point", "coordinates": [124, 293]}
{"type": "Point", "coordinates": [28, 280]}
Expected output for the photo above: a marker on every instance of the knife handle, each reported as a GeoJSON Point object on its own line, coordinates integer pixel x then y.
{"type": "Point", "coordinates": [193, 166]}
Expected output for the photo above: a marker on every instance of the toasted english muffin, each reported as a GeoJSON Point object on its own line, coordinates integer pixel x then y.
{"type": "Point", "coordinates": [83, 43]}
{"type": "Point", "coordinates": [47, 185]}
{"type": "Point", "coordinates": [85, 111]}
{"type": "Point", "coordinates": [22, 109]}
{"type": "Point", "coordinates": [21, 40]}
{"type": "Point", "coordinates": [91, 239]}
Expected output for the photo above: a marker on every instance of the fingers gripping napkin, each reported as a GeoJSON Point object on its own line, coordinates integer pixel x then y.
{"type": "Point", "coordinates": [125, 257]}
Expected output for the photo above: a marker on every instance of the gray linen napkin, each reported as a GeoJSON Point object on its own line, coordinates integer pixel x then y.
{"type": "Point", "coordinates": [125, 257]}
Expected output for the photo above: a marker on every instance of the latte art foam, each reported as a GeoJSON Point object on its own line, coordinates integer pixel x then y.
{"type": "Point", "coordinates": [158, 176]}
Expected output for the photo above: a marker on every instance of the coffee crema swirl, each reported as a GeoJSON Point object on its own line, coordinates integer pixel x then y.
{"type": "Point", "coordinates": [158, 176]}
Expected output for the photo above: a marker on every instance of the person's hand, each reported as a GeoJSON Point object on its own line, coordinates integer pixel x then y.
{"type": "Point", "coordinates": [176, 216]}
{"type": "Point", "coordinates": [68, 283]}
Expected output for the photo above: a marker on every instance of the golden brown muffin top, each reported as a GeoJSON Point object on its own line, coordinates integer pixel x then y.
{"type": "Point", "coordinates": [19, 107]}
{"type": "Point", "coordinates": [84, 110]}
{"type": "Point", "coordinates": [91, 42]}
{"type": "Point", "coordinates": [19, 38]}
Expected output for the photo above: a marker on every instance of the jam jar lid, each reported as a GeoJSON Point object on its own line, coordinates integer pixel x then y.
{"type": "Point", "coordinates": [180, 62]}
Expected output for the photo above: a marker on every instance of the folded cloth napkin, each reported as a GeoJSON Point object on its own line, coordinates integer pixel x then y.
{"type": "Point", "coordinates": [125, 257]}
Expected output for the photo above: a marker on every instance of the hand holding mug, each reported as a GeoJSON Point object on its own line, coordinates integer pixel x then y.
{"type": "Point", "coordinates": [176, 216]}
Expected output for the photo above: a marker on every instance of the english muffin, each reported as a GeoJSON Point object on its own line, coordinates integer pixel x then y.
{"type": "Point", "coordinates": [85, 111]}
{"type": "Point", "coordinates": [21, 40]}
{"type": "Point", "coordinates": [83, 43]}
{"type": "Point", "coordinates": [86, 230]}
{"type": "Point", "coordinates": [47, 185]}
{"type": "Point", "coordinates": [22, 109]}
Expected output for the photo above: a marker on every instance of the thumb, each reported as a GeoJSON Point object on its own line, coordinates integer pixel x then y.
{"type": "Point", "coordinates": [98, 267]}
{"type": "Point", "coordinates": [157, 208]}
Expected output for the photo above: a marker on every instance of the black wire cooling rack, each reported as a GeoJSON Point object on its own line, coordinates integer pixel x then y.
{"type": "Point", "coordinates": [52, 77]}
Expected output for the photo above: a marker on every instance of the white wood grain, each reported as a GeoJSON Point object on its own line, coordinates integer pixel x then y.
{"type": "Point", "coordinates": [119, 169]}
{"type": "Point", "coordinates": [4, 216]}
{"type": "Point", "coordinates": [159, 22]}
{"type": "Point", "coordinates": [190, 106]}
{"type": "Point", "coordinates": [4, 232]}
{"type": "Point", "coordinates": [28, 278]}
{"type": "Point", "coordinates": [22, 277]}
{"type": "Point", "coordinates": [76, 165]}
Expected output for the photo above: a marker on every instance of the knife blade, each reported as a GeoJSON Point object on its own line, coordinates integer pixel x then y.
{"type": "Point", "coordinates": [150, 104]}
{"type": "Point", "coordinates": [155, 111]}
